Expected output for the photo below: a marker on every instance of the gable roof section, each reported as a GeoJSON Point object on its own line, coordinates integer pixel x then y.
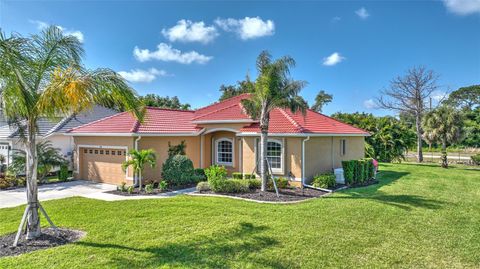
{"type": "Point", "coordinates": [184, 122]}
{"type": "Point", "coordinates": [156, 121]}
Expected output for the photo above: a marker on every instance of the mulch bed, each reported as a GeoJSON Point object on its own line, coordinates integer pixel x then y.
{"type": "Point", "coordinates": [48, 239]}
{"type": "Point", "coordinates": [286, 195]}
{"type": "Point", "coordinates": [136, 192]}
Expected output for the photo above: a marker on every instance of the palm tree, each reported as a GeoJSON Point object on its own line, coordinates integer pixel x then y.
{"type": "Point", "coordinates": [43, 76]}
{"type": "Point", "coordinates": [272, 89]}
{"type": "Point", "coordinates": [443, 125]}
{"type": "Point", "coordinates": [138, 159]}
{"type": "Point", "coordinates": [47, 157]}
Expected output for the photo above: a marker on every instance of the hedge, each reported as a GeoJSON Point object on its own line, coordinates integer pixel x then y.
{"type": "Point", "coordinates": [358, 171]}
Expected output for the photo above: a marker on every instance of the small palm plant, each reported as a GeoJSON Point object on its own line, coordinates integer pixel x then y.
{"type": "Point", "coordinates": [443, 125]}
{"type": "Point", "coordinates": [272, 89]}
{"type": "Point", "coordinates": [138, 160]}
{"type": "Point", "coordinates": [48, 157]}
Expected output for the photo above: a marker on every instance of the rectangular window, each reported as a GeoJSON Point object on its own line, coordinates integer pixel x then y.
{"type": "Point", "coordinates": [343, 147]}
{"type": "Point", "coordinates": [85, 151]}
{"type": "Point", "coordinates": [107, 152]}
{"type": "Point", "coordinates": [274, 155]}
{"type": "Point", "coordinates": [96, 151]}
{"type": "Point", "coordinates": [119, 153]}
{"type": "Point", "coordinates": [90, 151]}
{"type": "Point", "coordinates": [224, 152]}
{"type": "Point", "coordinates": [113, 152]}
{"type": "Point", "coordinates": [101, 151]}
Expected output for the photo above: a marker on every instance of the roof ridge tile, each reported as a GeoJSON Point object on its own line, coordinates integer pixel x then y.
{"type": "Point", "coordinates": [294, 122]}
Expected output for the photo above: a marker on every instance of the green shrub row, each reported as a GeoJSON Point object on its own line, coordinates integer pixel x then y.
{"type": "Point", "coordinates": [476, 159]}
{"type": "Point", "coordinates": [326, 181]}
{"type": "Point", "coordinates": [358, 171]}
{"type": "Point", "coordinates": [237, 175]}
{"type": "Point", "coordinates": [178, 171]}
{"type": "Point", "coordinates": [282, 183]}
{"type": "Point", "coordinates": [218, 182]}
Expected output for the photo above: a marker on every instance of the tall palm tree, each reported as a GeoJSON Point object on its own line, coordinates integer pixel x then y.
{"type": "Point", "coordinates": [138, 159]}
{"type": "Point", "coordinates": [272, 89]}
{"type": "Point", "coordinates": [443, 125]}
{"type": "Point", "coordinates": [42, 76]}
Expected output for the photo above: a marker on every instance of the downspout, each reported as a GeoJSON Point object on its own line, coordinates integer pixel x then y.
{"type": "Point", "coordinates": [135, 178]}
{"type": "Point", "coordinates": [303, 160]}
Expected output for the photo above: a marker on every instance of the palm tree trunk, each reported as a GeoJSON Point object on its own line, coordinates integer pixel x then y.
{"type": "Point", "coordinates": [33, 221]}
{"type": "Point", "coordinates": [263, 154]}
{"type": "Point", "coordinates": [139, 180]}
{"type": "Point", "coordinates": [444, 154]}
{"type": "Point", "coordinates": [419, 137]}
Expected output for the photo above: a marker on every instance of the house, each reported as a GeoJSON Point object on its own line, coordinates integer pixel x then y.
{"type": "Point", "coordinates": [299, 146]}
{"type": "Point", "coordinates": [51, 129]}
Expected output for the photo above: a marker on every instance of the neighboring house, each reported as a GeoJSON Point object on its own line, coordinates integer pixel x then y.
{"type": "Point", "coordinates": [50, 129]}
{"type": "Point", "coordinates": [299, 146]}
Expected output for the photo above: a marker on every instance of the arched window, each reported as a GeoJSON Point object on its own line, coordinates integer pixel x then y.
{"type": "Point", "coordinates": [225, 151]}
{"type": "Point", "coordinates": [275, 155]}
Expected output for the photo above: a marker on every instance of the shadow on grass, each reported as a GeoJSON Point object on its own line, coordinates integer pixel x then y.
{"type": "Point", "coordinates": [403, 201]}
{"type": "Point", "coordinates": [213, 251]}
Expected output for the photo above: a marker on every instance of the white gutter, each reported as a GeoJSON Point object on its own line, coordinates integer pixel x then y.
{"type": "Point", "coordinates": [303, 159]}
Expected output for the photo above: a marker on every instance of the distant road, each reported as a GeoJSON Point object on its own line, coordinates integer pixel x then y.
{"type": "Point", "coordinates": [452, 156]}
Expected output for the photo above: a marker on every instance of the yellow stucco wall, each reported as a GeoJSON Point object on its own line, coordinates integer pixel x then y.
{"type": "Point", "coordinates": [322, 154]}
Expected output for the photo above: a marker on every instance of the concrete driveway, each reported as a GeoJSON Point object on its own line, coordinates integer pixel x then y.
{"type": "Point", "coordinates": [88, 189]}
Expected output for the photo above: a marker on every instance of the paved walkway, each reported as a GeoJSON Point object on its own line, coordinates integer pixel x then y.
{"type": "Point", "coordinates": [88, 189]}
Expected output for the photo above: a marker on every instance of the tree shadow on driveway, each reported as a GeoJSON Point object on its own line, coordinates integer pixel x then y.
{"type": "Point", "coordinates": [213, 251]}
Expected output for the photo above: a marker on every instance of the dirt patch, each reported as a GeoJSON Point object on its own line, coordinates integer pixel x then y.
{"type": "Point", "coordinates": [49, 238]}
{"type": "Point", "coordinates": [286, 195]}
{"type": "Point", "coordinates": [136, 192]}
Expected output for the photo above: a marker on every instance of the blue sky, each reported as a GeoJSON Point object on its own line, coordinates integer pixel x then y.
{"type": "Point", "coordinates": [188, 49]}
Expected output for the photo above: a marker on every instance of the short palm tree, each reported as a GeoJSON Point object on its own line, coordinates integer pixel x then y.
{"type": "Point", "coordinates": [43, 76]}
{"type": "Point", "coordinates": [272, 89]}
{"type": "Point", "coordinates": [138, 159]}
{"type": "Point", "coordinates": [443, 125]}
{"type": "Point", "coordinates": [48, 157]}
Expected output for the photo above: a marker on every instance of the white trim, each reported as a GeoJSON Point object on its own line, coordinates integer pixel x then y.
{"type": "Point", "coordinates": [303, 159]}
{"type": "Point", "coordinates": [298, 134]}
{"type": "Point", "coordinates": [77, 169]}
{"type": "Point", "coordinates": [232, 164]}
{"type": "Point", "coordinates": [221, 129]}
{"type": "Point", "coordinates": [222, 121]}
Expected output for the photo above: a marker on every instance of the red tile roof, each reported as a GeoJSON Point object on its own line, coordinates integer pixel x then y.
{"type": "Point", "coordinates": [170, 121]}
{"type": "Point", "coordinates": [156, 120]}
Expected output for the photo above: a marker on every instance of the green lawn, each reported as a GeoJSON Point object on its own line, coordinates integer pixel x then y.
{"type": "Point", "coordinates": [419, 216]}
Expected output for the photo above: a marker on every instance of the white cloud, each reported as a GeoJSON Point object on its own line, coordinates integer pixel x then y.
{"type": "Point", "coordinates": [138, 75]}
{"type": "Point", "coordinates": [439, 96]}
{"type": "Point", "coordinates": [362, 13]}
{"type": "Point", "coordinates": [247, 28]}
{"type": "Point", "coordinates": [166, 53]}
{"type": "Point", "coordinates": [333, 59]}
{"type": "Point", "coordinates": [370, 104]}
{"type": "Point", "coordinates": [188, 31]}
{"type": "Point", "coordinates": [336, 19]}
{"type": "Point", "coordinates": [41, 25]}
{"type": "Point", "coordinates": [462, 7]}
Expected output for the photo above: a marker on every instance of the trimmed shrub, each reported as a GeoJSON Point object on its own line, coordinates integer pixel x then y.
{"type": "Point", "coordinates": [203, 186]}
{"type": "Point", "coordinates": [348, 171]}
{"type": "Point", "coordinates": [216, 176]}
{"type": "Point", "coordinates": [326, 181]}
{"type": "Point", "coordinates": [254, 184]}
{"type": "Point", "coordinates": [178, 170]}
{"type": "Point", "coordinates": [200, 174]}
{"type": "Point", "coordinates": [149, 188]}
{"type": "Point", "coordinates": [370, 168]}
{"type": "Point", "coordinates": [237, 175]}
{"type": "Point", "coordinates": [63, 173]}
{"type": "Point", "coordinates": [130, 189]}
{"type": "Point", "coordinates": [476, 159]}
{"type": "Point", "coordinates": [235, 186]}
{"type": "Point", "coordinates": [282, 183]}
{"type": "Point", "coordinates": [249, 176]}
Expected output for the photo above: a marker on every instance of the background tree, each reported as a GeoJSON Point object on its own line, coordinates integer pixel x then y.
{"type": "Point", "coordinates": [390, 138]}
{"type": "Point", "coordinates": [321, 99]}
{"type": "Point", "coordinates": [272, 89]}
{"type": "Point", "coordinates": [42, 76]}
{"type": "Point", "coordinates": [155, 100]}
{"type": "Point", "coordinates": [409, 94]}
{"type": "Point", "coordinates": [48, 157]}
{"type": "Point", "coordinates": [465, 98]}
{"type": "Point", "coordinates": [137, 160]}
{"type": "Point", "coordinates": [444, 125]}
{"type": "Point", "coordinates": [229, 91]}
